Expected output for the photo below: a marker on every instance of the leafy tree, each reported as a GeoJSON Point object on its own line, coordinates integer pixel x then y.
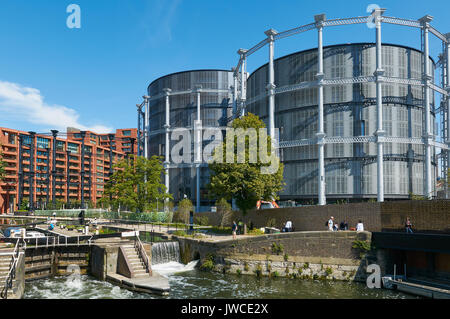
{"type": "Point", "coordinates": [184, 208]}
{"type": "Point", "coordinates": [136, 184]}
{"type": "Point", "coordinates": [245, 182]}
{"type": "Point", "coordinates": [224, 210]}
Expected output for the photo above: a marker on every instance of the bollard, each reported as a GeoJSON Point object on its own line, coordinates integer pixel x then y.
{"type": "Point", "coordinates": [47, 242]}
{"type": "Point", "coordinates": [66, 241]}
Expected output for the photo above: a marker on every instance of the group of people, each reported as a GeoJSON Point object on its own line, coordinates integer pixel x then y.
{"type": "Point", "coordinates": [333, 226]}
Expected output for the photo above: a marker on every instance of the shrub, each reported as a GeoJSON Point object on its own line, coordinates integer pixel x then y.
{"type": "Point", "coordinates": [180, 233]}
{"type": "Point", "coordinates": [238, 271]}
{"type": "Point", "coordinates": [208, 264]}
{"type": "Point", "coordinates": [306, 265]}
{"type": "Point", "coordinates": [286, 257]}
{"type": "Point", "coordinates": [246, 268]}
{"type": "Point", "coordinates": [255, 232]}
{"type": "Point", "coordinates": [275, 274]}
{"type": "Point", "coordinates": [363, 246]}
{"type": "Point", "coordinates": [277, 249]}
{"type": "Point", "coordinates": [328, 271]}
{"type": "Point", "coordinates": [258, 270]}
{"type": "Point", "coordinates": [202, 220]}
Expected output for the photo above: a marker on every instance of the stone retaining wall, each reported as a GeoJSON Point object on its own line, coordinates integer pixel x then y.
{"type": "Point", "coordinates": [325, 255]}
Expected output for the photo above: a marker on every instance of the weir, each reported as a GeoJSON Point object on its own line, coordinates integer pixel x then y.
{"type": "Point", "coordinates": [165, 252]}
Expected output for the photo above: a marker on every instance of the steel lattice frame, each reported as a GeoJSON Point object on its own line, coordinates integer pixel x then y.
{"type": "Point", "coordinates": [379, 138]}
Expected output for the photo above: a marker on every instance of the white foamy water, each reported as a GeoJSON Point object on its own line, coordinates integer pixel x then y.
{"type": "Point", "coordinates": [173, 267]}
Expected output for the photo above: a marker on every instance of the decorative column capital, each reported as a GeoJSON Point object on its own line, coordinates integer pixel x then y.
{"type": "Point", "coordinates": [377, 13]}
{"type": "Point", "coordinates": [271, 88]}
{"type": "Point", "coordinates": [380, 136]}
{"type": "Point", "coordinates": [167, 91]}
{"type": "Point", "coordinates": [320, 19]}
{"type": "Point", "coordinates": [270, 34]}
{"type": "Point", "coordinates": [320, 138]}
{"type": "Point", "coordinates": [197, 89]}
{"type": "Point", "coordinates": [320, 76]}
{"type": "Point", "coordinates": [379, 75]}
{"type": "Point", "coordinates": [426, 78]}
{"type": "Point", "coordinates": [242, 52]}
{"type": "Point", "coordinates": [425, 21]}
{"type": "Point", "coordinates": [146, 98]}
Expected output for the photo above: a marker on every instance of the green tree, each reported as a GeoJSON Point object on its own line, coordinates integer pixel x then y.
{"type": "Point", "coordinates": [245, 182]}
{"type": "Point", "coordinates": [224, 210]}
{"type": "Point", "coordinates": [136, 184]}
{"type": "Point", "coordinates": [182, 213]}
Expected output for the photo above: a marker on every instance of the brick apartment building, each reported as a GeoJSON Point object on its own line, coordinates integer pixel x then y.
{"type": "Point", "coordinates": [124, 140]}
{"type": "Point", "coordinates": [53, 166]}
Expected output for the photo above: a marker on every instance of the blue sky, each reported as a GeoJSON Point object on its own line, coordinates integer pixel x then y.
{"type": "Point", "coordinates": [52, 76]}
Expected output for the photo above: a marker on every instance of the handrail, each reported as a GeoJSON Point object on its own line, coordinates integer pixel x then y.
{"type": "Point", "coordinates": [12, 271]}
{"type": "Point", "coordinates": [143, 254]}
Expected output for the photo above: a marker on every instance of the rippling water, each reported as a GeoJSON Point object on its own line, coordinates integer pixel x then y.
{"type": "Point", "coordinates": [186, 282]}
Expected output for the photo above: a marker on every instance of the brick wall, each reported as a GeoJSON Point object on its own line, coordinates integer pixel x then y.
{"type": "Point", "coordinates": [426, 216]}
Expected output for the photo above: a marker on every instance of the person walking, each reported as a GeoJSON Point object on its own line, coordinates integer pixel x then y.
{"type": "Point", "coordinates": [408, 226]}
{"type": "Point", "coordinates": [233, 229]}
{"type": "Point", "coordinates": [359, 226]}
{"type": "Point", "coordinates": [330, 223]}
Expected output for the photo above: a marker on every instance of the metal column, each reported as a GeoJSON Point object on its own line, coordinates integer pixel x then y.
{"type": "Point", "coordinates": [271, 83]}
{"type": "Point", "coordinates": [167, 145]}
{"type": "Point", "coordinates": [54, 134]}
{"type": "Point", "coordinates": [321, 132]}
{"type": "Point", "coordinates": [242, 53]}
{"type": "Point", "coordinates": [235, 92]}
{"type": "Point", "coordinates": [380, 134]}
{"type": "Point", "coordinates": [198, 145]}
{"type": "Point", "coordinates": [426, 77]}
{"type": "Point", "coordinates": [146, 126]}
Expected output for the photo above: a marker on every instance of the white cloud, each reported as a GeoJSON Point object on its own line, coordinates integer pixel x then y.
{"type": "Point", "coordinates": [27, 104]}
{"type": "Point", "coordinates": [157, 20]}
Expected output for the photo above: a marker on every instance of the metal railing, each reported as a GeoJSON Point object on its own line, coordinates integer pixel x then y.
{"type": "Point", "coordinates": [142, 254]}
{"type": "Point", "coordinates": [12, 270]}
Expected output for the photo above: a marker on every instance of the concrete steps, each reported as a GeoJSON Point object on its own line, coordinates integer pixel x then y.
{"type": "Point", "coordinates": [136, 263]}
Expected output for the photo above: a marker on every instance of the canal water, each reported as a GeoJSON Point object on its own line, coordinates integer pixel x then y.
{"type": "Point", "coordinates": [189, 282]}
